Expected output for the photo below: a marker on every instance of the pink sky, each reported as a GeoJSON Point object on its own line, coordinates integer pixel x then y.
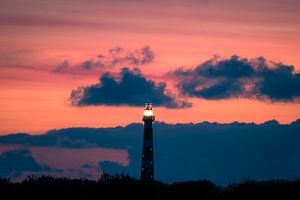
{"type": "Point", "coordinates": [70, 160]}
{"type": "Point", "coordinates": [37, 36]}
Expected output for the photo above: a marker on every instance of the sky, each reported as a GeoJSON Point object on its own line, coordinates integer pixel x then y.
{"type": "Point", "coordinates": [95, 63]}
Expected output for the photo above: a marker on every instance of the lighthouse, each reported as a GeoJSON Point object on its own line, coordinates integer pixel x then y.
{"type": "Point", "coordinates": [147, 168]}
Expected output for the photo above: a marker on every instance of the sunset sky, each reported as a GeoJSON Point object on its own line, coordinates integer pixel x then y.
{"type": "Point", "coordinates": [62, 62]}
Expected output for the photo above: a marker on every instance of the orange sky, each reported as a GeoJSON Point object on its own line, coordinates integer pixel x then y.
{"type": "Point", "coordinates": [37, 36]}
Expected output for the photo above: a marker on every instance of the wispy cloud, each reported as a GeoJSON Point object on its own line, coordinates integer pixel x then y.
{"type": "Point", "coordinates": [117, 56]}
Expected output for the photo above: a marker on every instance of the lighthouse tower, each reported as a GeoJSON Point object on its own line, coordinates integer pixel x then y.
{"type": "Point", "coordinates": [147, 169]}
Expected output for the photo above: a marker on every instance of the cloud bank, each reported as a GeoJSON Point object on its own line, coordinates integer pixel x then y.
{"type": "Point", "coordinates": [117, 56]}
{"type": "Point", "coordinates": [129, 88]}
{"type": "Point", "coordinates": [19, 161]}
{"type": "Point", "coordinates": [238, 77]}
{"type": "Point", "coordinates": [14, 163]}
{"type": "Point", "coordinates": [223, 153]}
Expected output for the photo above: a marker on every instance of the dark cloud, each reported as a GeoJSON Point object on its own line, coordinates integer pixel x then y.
{"type": "Point", "coordinates": [130, 88]}
{"type": "Point", "coordinates": [222, 153]}
{"type": "Point", "coordinates": [65, 141]}
{"type": "Point", "coordinates": [113, 168]}
{"type": "Point", "coordinates": [88, 165]}
{"type": "Point", "coordinates": [240, 77]}
{"type": "Point", "coordinates": [117, 56]}
{"type": "Point", "coordinates": [14, 163]}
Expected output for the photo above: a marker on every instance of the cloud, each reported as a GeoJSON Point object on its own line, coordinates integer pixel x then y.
{"type": "Point", "coordinates": [15, 163]}
{"type": "Point", "coordinates": [130, 88]}
{"type": "Point", "coordinates": [66, 141]}
{"type": "Point", "coordinates": [222, 153]}
{"type": "Point", "coordinates": [117, 56]}
{"type": "Point", "coordinates": [239, 77]}
{"type": "Point", "coordinates": [113, 168]}
{"type": "Point", "coordinates": [19, 161]}
{"type": "Point", "coordinates": [63, 67]}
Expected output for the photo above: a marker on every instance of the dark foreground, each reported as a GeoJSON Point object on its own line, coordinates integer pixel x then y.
{"type": "Point", "coordinates": [124, 187]}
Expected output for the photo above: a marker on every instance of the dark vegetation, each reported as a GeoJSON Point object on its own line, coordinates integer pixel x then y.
{"type": "Point", "coordinates": [125, 187]}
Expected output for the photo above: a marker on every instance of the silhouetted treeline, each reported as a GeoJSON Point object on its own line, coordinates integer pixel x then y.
{"type": "Point", "coordinates": [125, 187]}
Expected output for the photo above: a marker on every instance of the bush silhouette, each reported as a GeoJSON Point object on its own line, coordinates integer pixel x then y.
{"type": "Point", "coordinates": [126, 187]}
